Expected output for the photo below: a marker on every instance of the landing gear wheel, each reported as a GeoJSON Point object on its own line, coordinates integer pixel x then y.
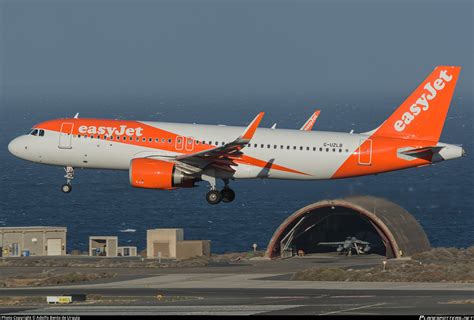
{"type": "Point", "coordinates": [213, 197]}
{"type": "Point", "coordinates": [66, 188]}
{"type": "Point", "coordinates": [228, 195]}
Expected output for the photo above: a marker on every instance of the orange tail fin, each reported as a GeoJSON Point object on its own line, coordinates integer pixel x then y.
{"type": "Point", "coordinates": [421, 116]}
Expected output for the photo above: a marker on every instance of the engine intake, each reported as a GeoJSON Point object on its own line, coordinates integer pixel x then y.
{"type": "Point", "coordinates": [157, 174]}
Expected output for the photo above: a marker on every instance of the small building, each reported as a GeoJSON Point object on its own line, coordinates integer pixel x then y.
{"type": "Point", "coordinates": [32, 241]}
{"type": "Point", "coordinates": [162, 242]}
{"type": "Point", "coordinates": [103, 246]}
{"type": "Point", "coordinates": [170, 244]}
{"type": "Point", "coordinates": [127, 251]}
{"type": "Point", "coordinates": [192, 248]}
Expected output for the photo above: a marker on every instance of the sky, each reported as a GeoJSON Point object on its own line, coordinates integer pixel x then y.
{"type": "Point", "coordinates": [94, 50]}
{"type": "Point", "coordinates": [223, 62]}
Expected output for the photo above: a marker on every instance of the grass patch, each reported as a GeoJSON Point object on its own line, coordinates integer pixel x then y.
{"type": "Point", "coordinates": [51, 279]}
{"type": "Point", "coordinates": [437, 265]}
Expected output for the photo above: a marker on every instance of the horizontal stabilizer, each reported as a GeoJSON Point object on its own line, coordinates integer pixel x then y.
{"type": "Point", "coordinates": [422, 150]}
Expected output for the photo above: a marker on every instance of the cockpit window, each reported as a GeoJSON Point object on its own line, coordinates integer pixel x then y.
{"type": "Point", "coordinates": [41, 133]}
{"type": "Point", "coordinates": [34, 132]}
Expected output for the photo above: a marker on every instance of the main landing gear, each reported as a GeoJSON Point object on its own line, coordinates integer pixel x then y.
{"type": "Point", "coordinates": [215, 196]}
{"type": "Point", "coordinates": [67, 187]}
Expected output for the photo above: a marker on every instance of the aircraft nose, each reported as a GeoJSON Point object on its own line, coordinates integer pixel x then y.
{"type": "Point", "coordinates": [14, 147]}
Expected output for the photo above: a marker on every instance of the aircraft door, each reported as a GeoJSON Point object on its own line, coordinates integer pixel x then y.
{"type": "Point", "coordinates": [365, 152]}
{"type": "Point", "coordinates": [179, 145]}
{"type": "Point", "coordinates": [189, 144]}
{"type": "Point", "coordinates": [65, 136]}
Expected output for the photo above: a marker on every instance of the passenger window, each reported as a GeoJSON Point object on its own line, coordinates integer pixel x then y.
{"type": "Point", "coordinates": [294, 147]}
{"type": "Point", "coordinates": [287, 147]}
{"type": "Point", "coordinates": [275, 146]}
{"type": "Point", "coordinates": [307, 148]}
{"type": "Point", "coordinates": [197, 141]}
{"type": "Point", "coordinates": [150, 140]}
{"type": "Point", "coordinates": [169, 140]}
{"type": "Point", "coordinates": [143, 139]}
{"type": "Point", "coordinates": [314, 148]}
{"type": "Point", "coordinates": [347, 150]}
{"type": "Point", "coordinates": [301, 148]}
{"type": "Point", "coordinates": [320, 149]}
{"type": "Point", "coordinates": [282, 147]}
{"type": "Point", "coordinates": [255, 145]}
{"type": "Point", "coordinates": [333, 149]}
{"type": "Point", "coordinates": [163, 140]}
{"type": "Point", "coordinates": [268, 146]}
{"type": "Point", "coordinates": [78, 135]}
{"type": "Point", "coordinates": [223, 143]}
{"type": "Point", "coordinates": [340, 150]}
{"type": "Point", "coordinates": [131, 138]}
{"type": "Point", "coordinates": [124, 138]}
{"type": "Point", "coordinates": [327, 149]}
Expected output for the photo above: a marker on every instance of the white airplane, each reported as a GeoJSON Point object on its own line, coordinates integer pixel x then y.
{"type": "Point", "coordinates": [166, 156]}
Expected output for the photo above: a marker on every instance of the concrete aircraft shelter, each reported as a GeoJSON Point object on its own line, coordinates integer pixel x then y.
{"type": "Point", "coordinates": [391, 230]}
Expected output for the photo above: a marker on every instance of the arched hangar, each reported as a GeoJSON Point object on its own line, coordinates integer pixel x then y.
{"type": "Point", "coordinates": [391, 230]}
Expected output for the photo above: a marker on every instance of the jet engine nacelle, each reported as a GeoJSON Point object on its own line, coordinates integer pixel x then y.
{"type": "Point", "coordinates": [157, 174]}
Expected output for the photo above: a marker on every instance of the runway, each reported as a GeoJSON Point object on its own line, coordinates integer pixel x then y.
{"type": "Point", "coordinates": [227, 294]}
{"type": "Point", "coordinates": [265, 301]}
{"type": "Point", "coordinates": [254, 287]}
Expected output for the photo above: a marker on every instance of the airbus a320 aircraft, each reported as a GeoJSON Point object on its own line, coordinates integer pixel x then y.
{"type": "Point", "coordinates": [166, 156]}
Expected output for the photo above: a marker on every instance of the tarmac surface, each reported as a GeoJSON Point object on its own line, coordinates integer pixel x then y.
{"type": "Point", "coordinates": [257, 287]}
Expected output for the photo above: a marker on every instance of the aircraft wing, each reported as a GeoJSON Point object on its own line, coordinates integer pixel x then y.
{"type": "Point", "coordinates": [308, 125]}
{"type": "Point", "coordinates": [361, 242]}
{"type": "Point", "coordinates": [221, 157]}
{"type": "Point", "coordinates": [331, 244]}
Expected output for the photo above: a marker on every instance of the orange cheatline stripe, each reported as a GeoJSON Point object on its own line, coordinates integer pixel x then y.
{"type": "Point", "coordinates": [153, 132]}
{"type": "Point", "coordinates": [262, 164]}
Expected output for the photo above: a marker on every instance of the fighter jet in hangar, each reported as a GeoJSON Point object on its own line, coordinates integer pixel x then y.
{"type": "Point", "coordinates": [349, 246]}
{"type": "Point", "coordinates": [167, 156]}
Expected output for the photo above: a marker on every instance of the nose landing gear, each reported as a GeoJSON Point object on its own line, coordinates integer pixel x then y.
{"type": "Point", "coordinates": [67, 187]}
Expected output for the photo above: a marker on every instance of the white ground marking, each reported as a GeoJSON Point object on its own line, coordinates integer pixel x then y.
{"type": "Point", "coordinates": [353, 309]}
{"type": "Point", "coordinates": [159, 310]}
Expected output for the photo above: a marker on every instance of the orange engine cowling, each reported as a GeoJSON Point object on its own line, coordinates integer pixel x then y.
{"type": "Point", "coordinates": [157, 174]}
